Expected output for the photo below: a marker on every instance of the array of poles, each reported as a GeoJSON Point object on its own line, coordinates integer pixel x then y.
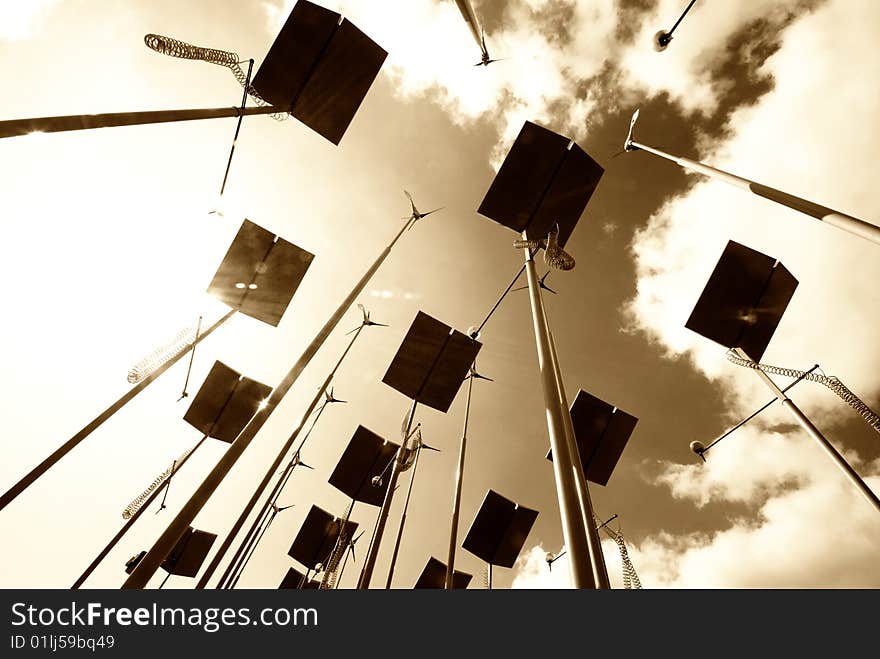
{"type": "Point", "coordinates": [565, 187]}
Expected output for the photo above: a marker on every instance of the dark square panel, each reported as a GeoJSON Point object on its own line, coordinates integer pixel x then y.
{"type": "Point", "coordinates": [524, 177]}
{"type": "Point", "coordinates": [274, 267]}
{"type": "Point", "coordinates": [732, 310]}
{"type": "Point", "coordinates": [367, 455]}
{"type": "Point", "coordinates": [601, 432]}
{"type": "Point", "coordinates": [340, 82]}
{"type": "Point", "coordinates": [499, 530]}
{"type": "Point", "coordinates": [542, 182]}
{"type": "Point", "coordinates": [431, 363]}
{"type": "Point", "coordinates": [434, 576]}
{"type": "Point", "coordinates": [294, 579]}
{"type": "Point", "coordinates": [295, 52]}
{"type": "Point", "coordinates": [567, 197]}
{"type": "Point", "coordinates": [225, 403]}
{"type": "Point", "coordinates": [317, 537]}
{"type": "Point", "coordinates": [189, 553]}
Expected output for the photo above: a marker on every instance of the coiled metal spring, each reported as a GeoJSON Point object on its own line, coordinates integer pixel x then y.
{"type": "Point", "coordinates": [328, 582]}
{"type": "Point", "coordinates": [630, 578]}
{"type": "Point", "coordinates": [835, 385]}
{"type": "Point", "coordinates": [230, 60]}
{"type": "Point", "coordinates": [139, 500]}
{"type": "Point", "coordinates": [181, 341]}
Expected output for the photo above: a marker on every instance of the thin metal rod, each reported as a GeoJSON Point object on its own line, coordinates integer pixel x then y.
{"type": "Point", "coordinates": [150, 563]}
{"type": "Point", "coordinates": [597, 557]}
{"type": "Point", "coordinates": [252, 548]}
{"type": "Point", "coordinates": [164, 581]}
{"type": "Point", "coordinates": [501, 299]}
{"type": "Point", "coordinates": [813, 432]}
{"type": "Point", "coordinates": [681, 18]}
{"type": "Point", "coordinates": [9, 496]}
{"type": "Point", "coordinates": [835, 218]}
{"type": "Point", "coordinates": [244, 98]}
{"type": "Point", "coordinates": [489, 576]}
{"type": "Point", "coordinates": [21, 127]}
{"type": "Point", "coordinates": [573, 529]}
{"type": "Point", "coordinates": [131, 520]}
{"type": "Point", "coordinates": [456, 498]}
{"type": "Point", "coordinates": [236, 564]}
{"type": "Point", "coordinates": [192, 356]}
{"type": "Point", "coordinates": [412, 480]}
{"type": "Point", "coordinates": [756, 412]}
{"type": "Point", "coordinates": [267, 477]}
{"type": "Point", "coordinates": [370, 561]}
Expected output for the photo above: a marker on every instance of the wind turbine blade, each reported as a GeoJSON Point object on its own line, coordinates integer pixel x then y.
{"type": "Point", "coordinates": [433, 211]}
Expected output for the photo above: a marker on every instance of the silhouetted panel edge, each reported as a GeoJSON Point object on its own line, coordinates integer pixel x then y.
{"type": "Point", "coordinates": [260, 273]}
{"type": "Point", "coordinates": [499, 530]}
{"type": "Point", "coordinates": [186, 559]}
{"type": "Point", "coordinates": [316, 539]}
{"type": "Point", "coordinates": [340, 82]}
{"type": "Point", "coordinates": [295, 580]}
{"type": "Point", "coordinates": [366, 456]}
{"type": "Point", "coordinates": [434, 576]}
{"type": "Point", "coordinates": [295, 52]}
{"type": "Point", "coordinates": [730, 310]}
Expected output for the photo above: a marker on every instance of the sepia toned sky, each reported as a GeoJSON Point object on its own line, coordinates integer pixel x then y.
{"type": "Point", "coordinates": [109, 244]}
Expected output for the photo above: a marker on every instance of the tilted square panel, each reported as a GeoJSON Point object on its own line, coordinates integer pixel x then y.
{"type": "Point", "coordinates": [743, 301]}
{"type": "Point", "coordinates": [499, 530]}
{"type": "Point", "coordinates": [225, 403]}
{"type": "Point", "coordinates": [366, 456]}
{"type": "Point", "coordinates": [601, 432]}
{"type": "Point", "coordinates": [450, 370]}
{"type": "Point", "coordinates": [340, 82]}
{"type": "Point", "coordinates": [768, 313]}
{"type": "Point", "coordinates": [294, 579]}
{"type": "Point", "coordinates": [317, 537]}
{"type": "Point", "coordinates": [295, 53]}
{"type": "Point", "coordinates": [259, 274]}
{"type": "Point", "coordinates": [434, 576]}
{"type": "Point", "coordinates": [189, 553]}
{"type": "Point", "coordinates": [524, 177]}
{"type": "Point", "coordinates": [567, 196]}
{"type": "Point", "coordinates": [431, 363]}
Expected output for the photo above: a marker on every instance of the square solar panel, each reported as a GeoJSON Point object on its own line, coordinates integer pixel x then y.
{"type": "Point", "coordinates": [132, 562]}
{"type": "Point", "coordinates": [431, 363]}
{"type": "Point", "coordinates": [601, 432]}
{"type": "Point", "coordinates": [366, 456]}
{"type": "Point", "coordinates": [225, 403]}
{"type": "Point", "coordinates": [434, 576]}
{"type": "Point", "coordinates": [317, 537]}
{"type": "Point", "coordinates": [296, 580]}
{"type": "Point", "coordinates": [544, 180]}
{"type": "Point", "coordinates": [743, 301]}
{"type": "Point", "coordinates": [260, 273]}
{"type": "Point", "coordinates": [499, 530]}
{"type": "Point", "coordinates": [189, 553]}
{"type": "Point", "coordinates": [320, 67]}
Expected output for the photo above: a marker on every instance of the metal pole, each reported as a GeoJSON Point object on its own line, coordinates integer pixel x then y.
{"type": "Point", "coordinates": [813, 432]}
{"type": "Point", "coordinates": [146, 504]}
{"type": "Point", "coordinates": [21, 127]}
{"type": "Point", "coordinates": [412, 479]}
{"type": "Point", "coordinates": [835, 218]}
{"type": "Point", "coordinates": [573, 529]}
{"type": "Point", "coordinates": [370, 561]}
{"type": "Point", "coordinates": [95, 423]}
{"type": "Point", "coordinates": [456, 499]}
{"type": "Point", "coordinates": [279, 458]}
{"type": "Point", "coordinates": [597, 557]}
{"type": "Point", "coordinates": [150, 563]}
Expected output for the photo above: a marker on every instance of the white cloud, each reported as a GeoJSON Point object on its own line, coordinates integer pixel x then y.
{"type": "Point", "coordinates": [19, 20]}
{"type": "Point", "coordinates": [813, 136]}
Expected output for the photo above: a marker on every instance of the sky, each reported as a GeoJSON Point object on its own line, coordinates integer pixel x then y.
{"type": "Point", "coordinates": [109, 245]}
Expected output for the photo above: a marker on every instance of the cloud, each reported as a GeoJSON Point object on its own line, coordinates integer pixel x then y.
{"type": "Point", "coordinates": [806, 141]}
{"type": "Point", "coordinates": [807, 527]}
{"type": "Point", "coordinates": [19, 20]}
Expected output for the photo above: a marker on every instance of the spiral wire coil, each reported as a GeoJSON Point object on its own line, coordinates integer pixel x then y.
{"type": "Point", "coordinates": [160, 356]}
{"type": "Point", "coordinates": [831, 382]}
{"type": "Point", "coordinates": [630, 578]}
{"type": "Point", "coordinates": [230, 60]}
{"type": "Point", "coordinates": [139, 500]}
